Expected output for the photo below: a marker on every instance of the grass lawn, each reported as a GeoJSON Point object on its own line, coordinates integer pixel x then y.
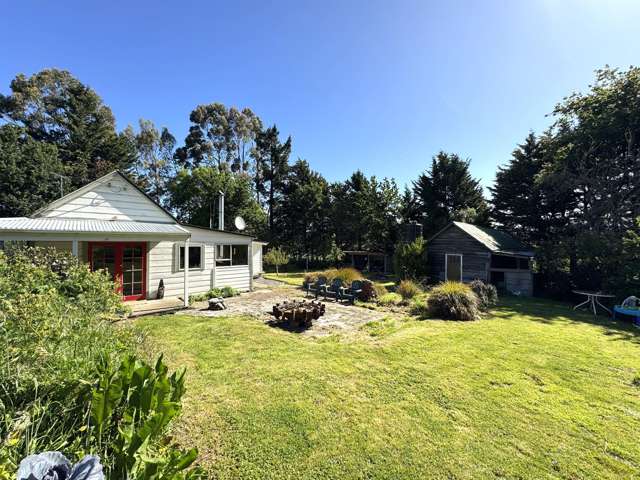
{"type": "Point", "coordinates": [290, 278]}
{"type": "Point", "coordinates": [533, 391]}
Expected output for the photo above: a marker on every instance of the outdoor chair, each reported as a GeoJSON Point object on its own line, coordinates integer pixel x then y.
{"type": "Point", "coordinates": [334, 290]}
{"type": "Point", "coordinates": [316, 287]}
{"type": "Point", "coordinates": [352, 292]}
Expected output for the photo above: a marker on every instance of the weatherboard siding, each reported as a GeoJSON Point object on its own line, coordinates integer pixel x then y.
{"type": "Point", "coordinates": [237, 277]}
{"type": "Point", "coordinates": [162, 264]}
{"type": "Point", "coordinates": [114, 199]}
{"type": "Point", "coordinates": [475, 257]}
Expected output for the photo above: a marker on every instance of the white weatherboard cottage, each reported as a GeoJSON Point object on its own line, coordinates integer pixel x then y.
{"type": "Point", "coordinates": [111, 224]}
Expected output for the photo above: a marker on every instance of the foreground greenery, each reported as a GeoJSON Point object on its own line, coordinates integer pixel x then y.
{"type": "Point", "coordinates": [533, 390]}
{"type": "Point", "coordinates": [68, 379]}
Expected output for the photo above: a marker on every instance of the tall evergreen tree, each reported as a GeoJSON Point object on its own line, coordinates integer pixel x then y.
{"type": "Point", "coordinates": [409, 207]}
{"type": "Point", "coordinates": [272, 160]}
{"type": "Point", "coordinates": [448, 190]}
{"type": "Point", "coordinates": [351, 207]}
{"type": "Point", "coordinates": [303, 222]}
{"type": "Point", "coordinates": [28, 172]}
{"type": "Point", "coordinates": [365, 213]}
{"type": "Point", "coordinates": [55, 108]}
{"type": "Point", "coordinates": [516, 196]}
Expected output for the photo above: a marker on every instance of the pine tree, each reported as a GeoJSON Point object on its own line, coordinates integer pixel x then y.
{"type": "Point", "coordinates": [446, 190]}
{"type": "Point", "coordinates": [517, 200]}
{"type": "Point", "coordinates": [272, 158]}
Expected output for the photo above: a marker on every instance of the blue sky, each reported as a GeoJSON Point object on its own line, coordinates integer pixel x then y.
{"type": "Point", "coordinates": [375, 85]}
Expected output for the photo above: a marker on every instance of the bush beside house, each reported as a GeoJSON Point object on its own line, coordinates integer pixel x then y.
{"type": "Point", "coordinates": [65, 372]}
{"type": "Point", "coordinates": [410, 259]}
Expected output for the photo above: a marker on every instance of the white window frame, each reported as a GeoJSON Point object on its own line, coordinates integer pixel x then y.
{"type": "Point", "coordinates": [230, 245]}
{"type": "Point", "coordinates": [446, 263]}
{"type": "Point", "coordinates": [180, 246]}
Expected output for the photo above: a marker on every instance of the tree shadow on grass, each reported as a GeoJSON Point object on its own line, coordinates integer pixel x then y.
{"type": "Point", "coordinates": [554, 312]}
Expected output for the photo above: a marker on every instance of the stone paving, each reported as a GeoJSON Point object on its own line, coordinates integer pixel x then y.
{"type": "Point", "coordinates": [259, 304]}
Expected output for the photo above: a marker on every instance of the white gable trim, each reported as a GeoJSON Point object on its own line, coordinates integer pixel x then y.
{"type": "Point", "coordinates": [42, 212]}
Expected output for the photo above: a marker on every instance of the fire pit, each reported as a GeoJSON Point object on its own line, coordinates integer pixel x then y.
{"type": "Point", "coordinates": [298, 313]}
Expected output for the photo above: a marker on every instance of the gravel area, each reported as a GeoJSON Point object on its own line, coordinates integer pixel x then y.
{"type": "Point", "coordinates": [259, 304]}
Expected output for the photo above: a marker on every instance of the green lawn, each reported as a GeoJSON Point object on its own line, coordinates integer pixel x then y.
{"type": "Point", "coordinates": [290, 278]}
{"type": "Point", "coordinates": [533, 391]}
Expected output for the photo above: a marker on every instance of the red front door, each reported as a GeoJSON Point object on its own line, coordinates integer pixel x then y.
{"type": "Point", "coordinates": [125, 262]}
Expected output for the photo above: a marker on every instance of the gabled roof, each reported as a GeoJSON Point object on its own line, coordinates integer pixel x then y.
{"type": "Point", "coordinates": [494, 240]}
{"type": "Point", "coordinates": [89, 186]}
{"type": "Point", "coordinates": [106, 178]}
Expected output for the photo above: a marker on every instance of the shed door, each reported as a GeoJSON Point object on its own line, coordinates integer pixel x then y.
{"type": "Point", "coordinates": [453, 267]}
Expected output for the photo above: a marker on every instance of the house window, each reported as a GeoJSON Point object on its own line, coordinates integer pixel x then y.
{"type": "Point", "coordinates": [223, 255]}
{"type": "Point", "coordinates": [523, 263]}
{"type": "Point", "coordinates": [453, 267]}
{"type": "Point", "coordinates": [240, 255]}
{"type": "Point", "coordinates": [229, 255]}
{"type": "Point", "coordinates": [196, 257]}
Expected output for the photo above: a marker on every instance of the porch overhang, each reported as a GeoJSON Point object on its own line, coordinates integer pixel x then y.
{"type": "Point", "coordinates": [55, 229]}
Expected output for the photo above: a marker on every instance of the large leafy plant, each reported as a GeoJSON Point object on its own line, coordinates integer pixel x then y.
{"type": "Point", "coordinates": [131, 408]}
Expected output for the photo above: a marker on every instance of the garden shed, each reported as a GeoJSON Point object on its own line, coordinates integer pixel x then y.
{"type": "Point", "coordinates": [465, 252]}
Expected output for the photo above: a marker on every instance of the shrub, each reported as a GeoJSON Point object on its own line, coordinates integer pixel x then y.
{"type": "Point", "coordinates": [410, 259]}
{"type": "Point", "coordinates": [487, 294]}
{"type": "Point", "coordinates": [55, 327]}
{"type": "Point", "coordinates": [368, 292]}
{"type": "Point", "coordinates": [381, 290]}
{"type": "Point", "coordinates": [228, 292]}
{"type": "Point", "coordinates": [419, 307]}
{"type": "Point", "coordinates": [224, 292]}
{"type": "Point", "coordinates": [408, 289]}
{"type": "Point", "coordinates": [347, 275]}
{"type": "Point", "coordinates": [453, 300]}
{"type": "Point", "coordinates": [390, 299]}
{"type": "Point", "coordinates": [65, 370]}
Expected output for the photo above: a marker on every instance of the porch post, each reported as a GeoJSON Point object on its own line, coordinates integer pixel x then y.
{"type": "Point", "coordinates": [250, 255]}
{"type": "Point", "coordinates": [186, 272]}
{"type": "Point", "coordinates": [74, 247]}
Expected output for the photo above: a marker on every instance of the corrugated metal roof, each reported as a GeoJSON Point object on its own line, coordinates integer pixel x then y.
{"type": "Point", "coordinates": [59, 225]}
{"type": "Point", "coordinates": [495, 240]}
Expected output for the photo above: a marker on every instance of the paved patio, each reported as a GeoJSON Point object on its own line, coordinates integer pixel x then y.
{"type": "Point", "coordinates": [259, 304]}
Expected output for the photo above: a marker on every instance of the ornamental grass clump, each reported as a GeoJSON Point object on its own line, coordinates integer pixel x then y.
{"type": "Point", "coordinates": [487, 294]}
{"type": "Point", "coordinates": [408, 289]}
{"type": "Point", "coordinates": [347, 275]}
{"type": "Point", "coordinates": [453, 301]}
